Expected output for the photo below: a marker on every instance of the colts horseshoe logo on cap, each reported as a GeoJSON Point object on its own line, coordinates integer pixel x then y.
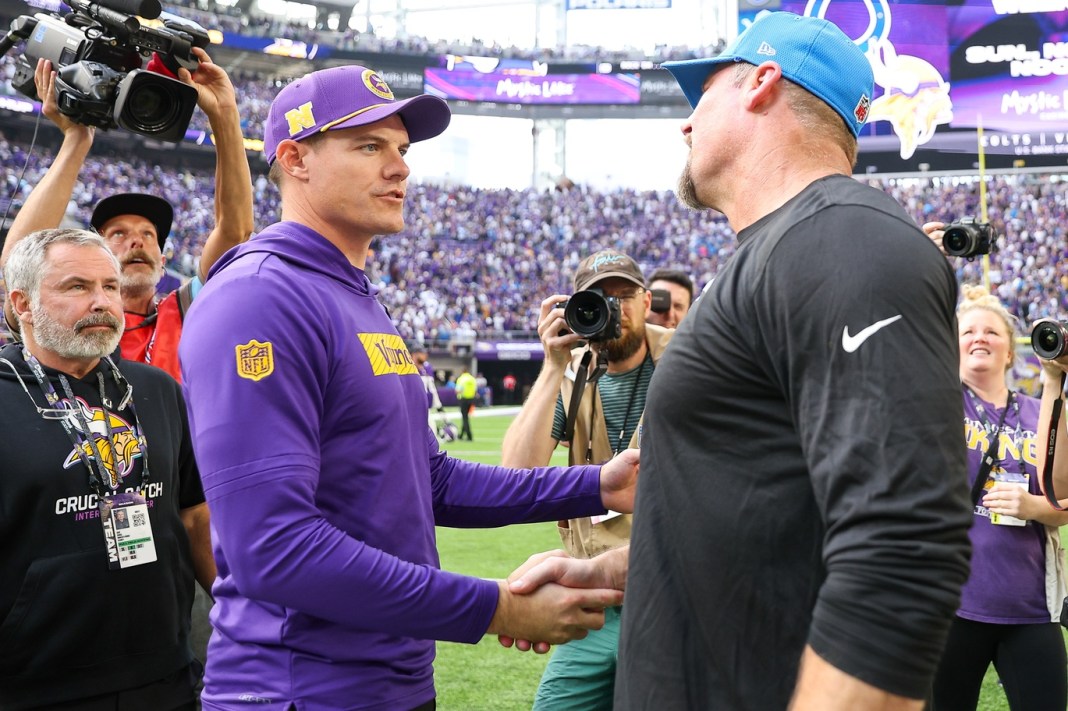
{"type": "Point", "coordinates": [377, 84]}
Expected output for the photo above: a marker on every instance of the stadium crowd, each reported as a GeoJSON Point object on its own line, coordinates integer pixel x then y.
{"type": "Point", "coordinates": [470, 260]}
{"type": "Point", "coordinates": [230, 19]}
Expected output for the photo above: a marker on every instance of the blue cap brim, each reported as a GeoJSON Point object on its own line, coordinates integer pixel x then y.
{"type": "Point", "coordinates": [692, 73]}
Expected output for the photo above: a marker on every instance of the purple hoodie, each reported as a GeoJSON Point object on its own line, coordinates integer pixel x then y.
{"type": "Point", "coordinates": [325, 484]}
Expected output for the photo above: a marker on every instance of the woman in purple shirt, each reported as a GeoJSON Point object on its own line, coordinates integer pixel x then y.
{"type": "Point", "coordinates": [1012, 601]}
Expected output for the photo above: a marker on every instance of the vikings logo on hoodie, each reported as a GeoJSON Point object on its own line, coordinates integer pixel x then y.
{"type": "Point", "coordinates": [119, 453]}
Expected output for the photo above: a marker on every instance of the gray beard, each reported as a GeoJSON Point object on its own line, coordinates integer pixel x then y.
{"type": "Point", "coordinates": [69, 343]}
{"type": "Point", "coordinates": [138, 284]}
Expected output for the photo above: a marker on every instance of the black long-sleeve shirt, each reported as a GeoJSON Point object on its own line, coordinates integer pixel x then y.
{"type": "Point", "coordinates": [803, 466]}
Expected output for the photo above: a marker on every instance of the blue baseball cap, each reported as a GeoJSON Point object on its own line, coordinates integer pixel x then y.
{"type": "Point", "coordinates": [812, 52]}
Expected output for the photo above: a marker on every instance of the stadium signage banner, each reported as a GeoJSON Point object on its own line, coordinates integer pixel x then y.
{"type": "Point", "coordinates": [548, 89]}
{"type": "Point", "coordinates": [278, 46]}
{"type": "Point", "coordinates": [403, 82]}
{"type": "Point", "coordinates": [618, 4]}
{"type": "Point", "coordinates": [659, 87]}
{"type": "Point", "coordinates": [509, 350]}
{"type": "Point", "coordinates": [1008, 66]}
{"type": "Point", "coordinates": [18, 105]}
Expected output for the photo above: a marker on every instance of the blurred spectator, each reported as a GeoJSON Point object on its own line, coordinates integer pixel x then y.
{"type": "Point", "coordinates": [679, 288]}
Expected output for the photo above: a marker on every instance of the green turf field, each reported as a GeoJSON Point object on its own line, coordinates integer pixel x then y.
{"type": "Point", "coordinates": [486, 676]}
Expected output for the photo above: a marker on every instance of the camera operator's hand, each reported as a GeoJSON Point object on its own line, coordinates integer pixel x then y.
{"type": "Point", "coordinates": [215, 91]}
{"type": "Point", "coordinates": [936, 230]}
{"type": "Point", "coordinates": [550, 326]}
{"type": "Point", "coordinates": [234, 219]}
{"type": "Point", "coordinates": [45, 79]}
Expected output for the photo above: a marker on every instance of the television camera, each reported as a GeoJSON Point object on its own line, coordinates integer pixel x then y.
{"type": "Point", "coordinates": [97, 50]}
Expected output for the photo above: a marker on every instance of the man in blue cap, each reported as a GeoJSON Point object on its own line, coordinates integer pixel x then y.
{"type": "Point", "coordinates": [801, 536]}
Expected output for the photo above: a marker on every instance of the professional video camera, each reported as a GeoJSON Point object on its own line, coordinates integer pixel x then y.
{"type": "Point", "coordinates": [968, 238]}
{"type": "Point", "coordinates": [1049, 339]}
{"type": "Point", "coordinates": [97, 51]}
{"type": "Point", "coordinates": [593, 315]}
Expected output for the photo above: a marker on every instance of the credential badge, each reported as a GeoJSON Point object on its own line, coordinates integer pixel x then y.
{"type": "Point", "coordinates": [255, 360]}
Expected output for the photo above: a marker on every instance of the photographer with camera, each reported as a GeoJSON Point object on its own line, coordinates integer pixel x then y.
{"type": "Point", "coordinates": [1013, 599]}
{"type": "Point", "coordinates": [966, 237]}
{"type": "Point", "coordinates": [672, 296]}
{"type": "Point", "coordinates": [1049, 338]}
{"type": "Point", "coordinates": [581, 674]}
{"type": "Point", "coordinates": [136, 226]}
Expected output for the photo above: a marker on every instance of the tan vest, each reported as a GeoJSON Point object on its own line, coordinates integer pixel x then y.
{"type": "Point", "coordinates": [582, 538]}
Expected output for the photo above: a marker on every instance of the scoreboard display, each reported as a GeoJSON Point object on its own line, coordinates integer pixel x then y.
{"type": "Point", "coordinates": [1011, 69]}
{"type": "Point", "coordinates": [946, 67]}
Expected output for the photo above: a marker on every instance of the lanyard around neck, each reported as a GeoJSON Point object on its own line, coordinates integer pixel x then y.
{"type": "Point", "coordinates": [630, 403]}
{"type": "Point", "coordinates": [100, 479]}
{"type": "Point", "coordinates": [987, 463]}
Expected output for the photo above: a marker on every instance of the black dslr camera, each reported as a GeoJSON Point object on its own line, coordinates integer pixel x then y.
{"type": "Point", "coordinates": [96, 50]}
{"type": "Point", "coordinates": [593, 315]}
{"type": "Point", "coordinates": [1049, 339]}
{"type": "Point", "coordinates": [661, 301]}
{"type": "Point", "coordinates": [968, 238]}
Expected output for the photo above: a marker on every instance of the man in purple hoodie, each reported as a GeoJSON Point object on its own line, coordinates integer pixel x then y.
{"type": "Point", "coordinates": [309, 425]}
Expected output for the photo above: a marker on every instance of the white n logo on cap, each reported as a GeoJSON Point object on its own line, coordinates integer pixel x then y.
{"type": "Point", "coordinates": [767, 49]}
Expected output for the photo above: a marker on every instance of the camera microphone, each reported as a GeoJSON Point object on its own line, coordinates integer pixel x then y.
{"type": "Point", "coordinates": [148, 9]}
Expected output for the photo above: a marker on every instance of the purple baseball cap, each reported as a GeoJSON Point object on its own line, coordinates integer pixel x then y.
{"type": "Point", "coordinates": [343, 97]}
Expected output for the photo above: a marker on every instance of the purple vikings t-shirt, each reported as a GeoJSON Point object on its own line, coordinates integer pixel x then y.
{"type": "Point", "coordinates": [325, 483]}
{"type": "Point", "coordinates": [1007, 582]}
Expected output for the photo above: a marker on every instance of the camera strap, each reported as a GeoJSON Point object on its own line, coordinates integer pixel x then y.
{"type": "Point", "coordinates": [581, 378]}
{"type": "Point", "coordinates": [990, 457]}
{"type": "Point", "coordinates": [1051, 447]}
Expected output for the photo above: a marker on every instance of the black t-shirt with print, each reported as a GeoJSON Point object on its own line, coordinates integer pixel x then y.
{"type": "Point", "coordinates": [69, 626]}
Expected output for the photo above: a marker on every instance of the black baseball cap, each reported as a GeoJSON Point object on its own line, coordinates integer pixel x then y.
{"type": "Point", "coordinates": [156, 210]}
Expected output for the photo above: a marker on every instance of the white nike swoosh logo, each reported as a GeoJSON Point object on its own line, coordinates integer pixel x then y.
{"type": "Point", "coordinates": [851, 343]}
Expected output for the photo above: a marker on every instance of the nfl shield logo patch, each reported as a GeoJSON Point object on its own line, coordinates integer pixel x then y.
{"type": "Point", "coordinates": [255, 360]}
{"type": "Point", "coordinates": [861, 111]}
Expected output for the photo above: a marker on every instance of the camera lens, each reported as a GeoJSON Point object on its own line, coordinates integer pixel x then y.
{"type": "Point", "coordinates": [586, 313]}
{"type": "Point", "coordinates": [958, 242]}
{"type": "Point", "coordinates": [1049, 339]}
{"type": "Point", "coordinates": [154, 105]}
{"type": "Point", "coordinates": [151, 106]}
{"type": "Point", "coordinates": [587, 317]}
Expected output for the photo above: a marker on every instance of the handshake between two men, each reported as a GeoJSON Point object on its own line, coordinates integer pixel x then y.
{"type": "Point", "coordinates": [574, 591]}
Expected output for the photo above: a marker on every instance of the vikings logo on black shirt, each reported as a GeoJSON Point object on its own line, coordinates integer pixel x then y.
{"type": "Point", "coordinates": [119, 452]}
